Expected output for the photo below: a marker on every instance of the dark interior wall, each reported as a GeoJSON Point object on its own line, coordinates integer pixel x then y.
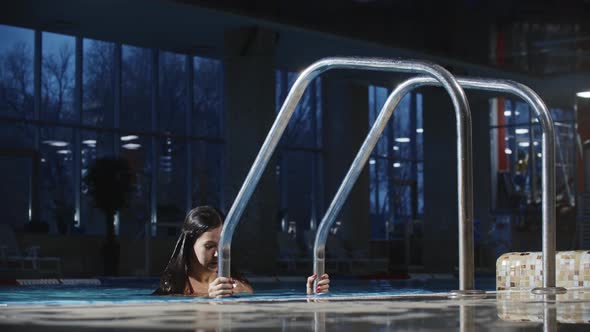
{"type": "Point", "coordinates": [345, 127]}
{"type": "Point", "coordinates": [482, 190]}
{"type": "Point", "coordinates": [440, 246]}
{"type": "Point", "coordinates": [249, 106]}
{"type": "Point", "coordinates": [440, 180]}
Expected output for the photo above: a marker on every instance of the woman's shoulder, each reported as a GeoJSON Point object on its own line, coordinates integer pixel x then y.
{"type": "Point", "coordinates": [243, 287]}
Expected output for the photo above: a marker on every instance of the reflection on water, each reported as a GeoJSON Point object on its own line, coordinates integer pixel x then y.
{"type": "Point", "coordinates": [572, 307]}
{"type": "Point", "coordinates": [435, 312]}
{"type": "Point", "coordinates": [76, 295]}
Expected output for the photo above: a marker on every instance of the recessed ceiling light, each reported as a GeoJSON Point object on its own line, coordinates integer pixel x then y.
{"type": "Point", "coordinates": [128, 138]}
{"type": "Point", "coordinates": [59, 144]}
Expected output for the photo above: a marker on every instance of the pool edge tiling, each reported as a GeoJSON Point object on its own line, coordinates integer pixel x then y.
{"type": "Point", "coordinates": [524, 270]}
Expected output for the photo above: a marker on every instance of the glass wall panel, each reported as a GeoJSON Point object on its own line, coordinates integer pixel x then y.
{"type": "Point", "coordinates": [377, 97]}
{"type": "Point", "coordinates": [516, 138]}
{"type": "Point", "coordinates": [137, 88]}
{"type": "Point", "coordinates": [93, 145]}
{"type": "Point", "coordinates": [136, 149]}
{"type": "Point", "coordinates": [171, 180]}
{"type": "Point", "coordinates": [208, 97]}
{"type": "Point", "coordinates": [16, 71]}
{"type": "Point", "coordinates": [57, 77]}
{"type": "Point", "coordinates": [18, 160]}
{"type": "Point", "coordinates": [380, 197]}
{"type": "Point", "coordinates": [173, 94]}
{"type": "Point", "coordinates": [403, 130]}
{"type": "Point", "coordinates": [56, 181]}
{"type": "Point", "coordinates": [301, 196]}
{"type": "Point", "coordinates": [16, 135]}
{"type": "Point", "coordinates": [419, 128]}
{"type": "Point", "coordinates": [207, 173]}
{"type": "Point", "coordinates": [299, 162]}
{"type": "Point", "coordinates": [396, 181]}
{"type": "Point", "coordinates": [99, 81]}
{"type": "Point", "coordinates": [305, 123]}
{"type": "Point", "coordinates": [44, 176]}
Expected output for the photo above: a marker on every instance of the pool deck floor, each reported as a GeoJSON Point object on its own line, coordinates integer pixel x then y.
{"type": "Point", "coordinates": [507, 311]}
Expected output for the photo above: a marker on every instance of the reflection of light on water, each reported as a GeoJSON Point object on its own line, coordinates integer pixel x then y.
{"type": "Point", "coordinates": [131, 146]}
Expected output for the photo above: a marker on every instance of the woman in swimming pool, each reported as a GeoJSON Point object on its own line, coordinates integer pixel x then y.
{"type": "Point", "coordinates": [192, 269]}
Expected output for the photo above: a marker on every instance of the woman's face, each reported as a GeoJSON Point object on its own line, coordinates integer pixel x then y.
{"type": "Point", "coordinates": [205, 249]}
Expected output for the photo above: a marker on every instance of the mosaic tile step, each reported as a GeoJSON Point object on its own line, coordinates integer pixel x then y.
{"type": "Point", "coordinates": [524, 270]}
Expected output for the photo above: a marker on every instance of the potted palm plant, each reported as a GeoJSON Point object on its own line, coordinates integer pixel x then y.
{"type": "Point", "coordinates": [110, 184]}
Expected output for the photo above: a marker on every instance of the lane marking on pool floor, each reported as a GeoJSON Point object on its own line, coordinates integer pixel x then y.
{"type": "Point", "coordinates": [49, 282]}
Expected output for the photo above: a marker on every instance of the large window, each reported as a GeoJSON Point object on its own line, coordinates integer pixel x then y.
{"type": "Point", "coordinates": [99, 79]}
{"type": "Point", "coordinates": [517, 155]}
{"type": "Point", "coordinates": [299, 158]}
{"type": "Point", "coordinates": [160, 111]}
{"type": "Point", "coordinates": [207, 120]}
{"type": "Point", "coordinates": [17, 155]}
{"type": "Point", "coordinates": [57, 78]}
{"type": "Point", "coordinates": [396, 166]}
{"type": "Point", "coordinates": [137, 88]}
{"type": "Point", "coordinates": [16, 72]}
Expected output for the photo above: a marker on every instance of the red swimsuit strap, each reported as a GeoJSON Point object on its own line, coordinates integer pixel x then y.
{"type": "Point", "coordinates": [190, 287]}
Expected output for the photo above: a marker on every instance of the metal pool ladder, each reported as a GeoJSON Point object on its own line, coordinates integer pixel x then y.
{"type": "Point", "coordinates": [465, 230]}
{"type": "Point", "coordinates": [464, 165]}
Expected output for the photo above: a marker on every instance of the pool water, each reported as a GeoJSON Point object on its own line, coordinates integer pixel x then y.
{"type": "Point", "coordinates": [141, 293]}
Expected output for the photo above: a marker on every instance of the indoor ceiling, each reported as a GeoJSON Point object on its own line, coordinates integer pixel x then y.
{"type": "Point", "coordinates": [535, 41]}
{"type": "Point", "coordinates": [538, 37]}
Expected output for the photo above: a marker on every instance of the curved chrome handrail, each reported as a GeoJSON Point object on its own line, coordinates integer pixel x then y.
{"type": "Point", "coordinates": [458, 98]}
{"type": "Point", "coordinates": [466, 274]}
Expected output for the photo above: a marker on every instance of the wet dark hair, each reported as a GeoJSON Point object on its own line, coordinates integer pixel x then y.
{"type": "Point", "coordinates": [198, 221]}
